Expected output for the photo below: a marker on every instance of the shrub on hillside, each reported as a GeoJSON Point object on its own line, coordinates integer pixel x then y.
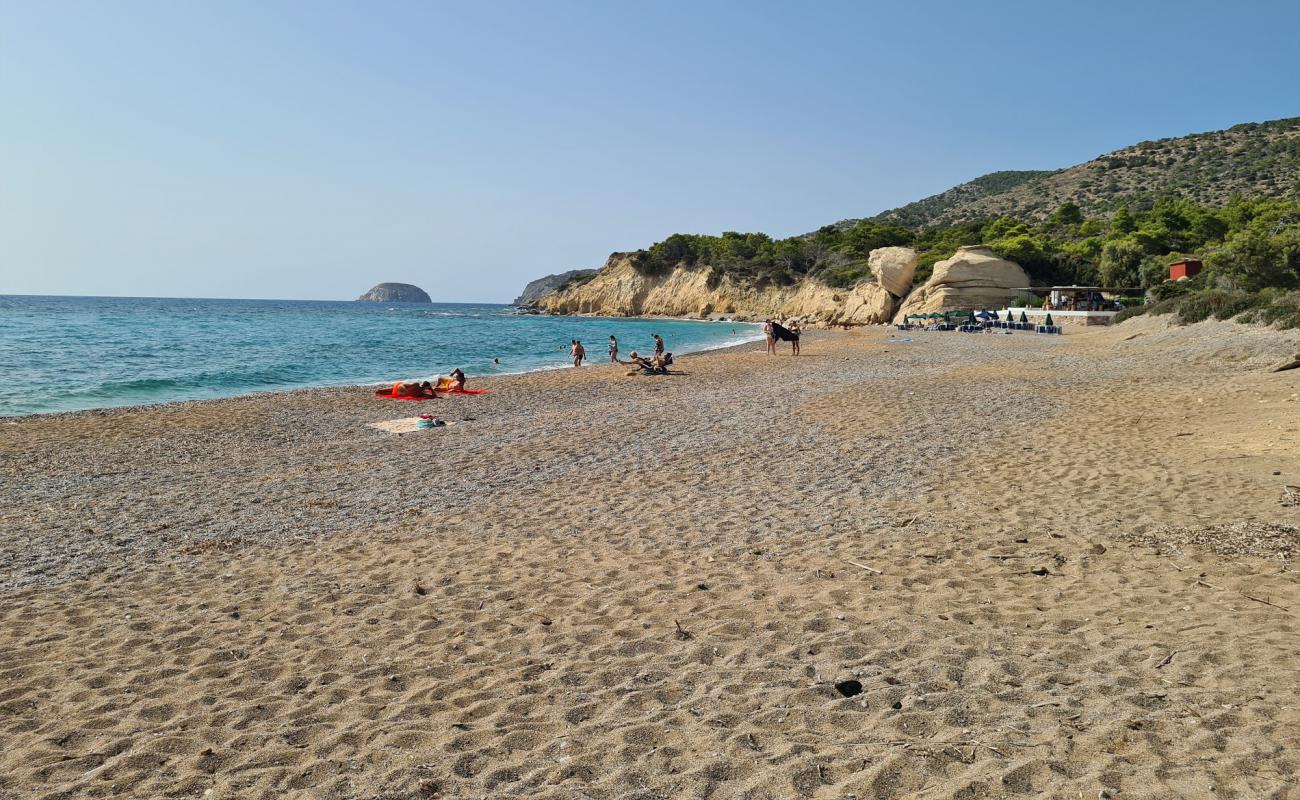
{"type": "Point", "coordinates": [1130, 313]}
{"type": "Point", "coordinates": [1217, 303]}
{"type": "Point", "coordinates": [1281, 310]}
{"type": "Point", "coordinates": [1274, 307]}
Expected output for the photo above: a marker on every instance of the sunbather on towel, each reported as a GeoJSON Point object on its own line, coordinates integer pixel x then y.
{"type": "Point", "coordinates": [455, 381]}
{"type": "Point", "coordinates": [414, 389]}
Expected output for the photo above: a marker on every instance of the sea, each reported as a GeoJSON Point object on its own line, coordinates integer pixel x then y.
{"type": "Point", "coordinates": [74, 353]}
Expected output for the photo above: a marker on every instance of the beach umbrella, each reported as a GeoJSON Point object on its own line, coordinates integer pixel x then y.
{"type": "Point", "coordinates": [1048, 321]}
{"type": "Point", "coordinates": [1024, 317]}
{"type": "Point", "coordinates": [1009, 317]}
{"type": "Point", "coordinates": [986, 315]}
{"type": "Point", "coordinates": [934, 315]}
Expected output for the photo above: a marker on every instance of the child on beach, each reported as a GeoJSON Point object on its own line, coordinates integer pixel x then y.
{"type": "Point", "coordinates": [578, 352]}
{"type": "Point", "coordinates": [613, 350]}
{"type": "Point", "coordinates": [771, 340]}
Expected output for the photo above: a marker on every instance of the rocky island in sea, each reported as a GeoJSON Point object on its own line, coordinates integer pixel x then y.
{"type": "Point", "coordinates": [396, 293]}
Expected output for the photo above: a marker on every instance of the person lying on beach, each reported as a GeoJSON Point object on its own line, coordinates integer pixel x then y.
{"type": "Point", "coordinates": [637, 363]}
{"type": "Point", "coordinates": [455, 382]}
{"type": "Point", "coordinates": [414, 389]}
{"type": "Point", "coordinates": [656, 365]}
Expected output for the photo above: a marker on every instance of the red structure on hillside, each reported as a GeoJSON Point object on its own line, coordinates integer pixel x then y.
{"type": "Point", "coordinates": [1183, 270]}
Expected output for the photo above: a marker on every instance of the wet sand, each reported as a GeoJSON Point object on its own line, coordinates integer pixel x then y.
{"type": "Point", "coordinates": [957, 567]}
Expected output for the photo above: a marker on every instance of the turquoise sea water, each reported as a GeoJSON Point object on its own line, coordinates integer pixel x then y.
{"type": "Point", "coordinates": [70, 353]}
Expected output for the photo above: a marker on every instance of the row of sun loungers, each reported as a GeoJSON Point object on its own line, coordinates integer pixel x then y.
{"type": "Point", "coordinates": [985, 326]}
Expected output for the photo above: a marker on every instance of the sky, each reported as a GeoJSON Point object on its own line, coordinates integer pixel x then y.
{"type": "Point", "coordinates": [310, 149]}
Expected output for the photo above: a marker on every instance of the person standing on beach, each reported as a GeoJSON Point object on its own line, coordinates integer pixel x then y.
{"type": "Point", "coordinates": [613, 350]}
{"type": "Point", "coordinates": [659, 344]}
{"type": "Point", "coordinates": [771, 340]}
{"type": "Point", "coordinates": [578, 352]}
{"type": "Point", "coordinates": [794, 343]}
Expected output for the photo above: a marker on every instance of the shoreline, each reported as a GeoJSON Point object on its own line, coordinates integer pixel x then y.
{"type": "Point", "coordinates": [13, 418]}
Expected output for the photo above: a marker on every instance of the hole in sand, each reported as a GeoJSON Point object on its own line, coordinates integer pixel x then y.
{"type": "Point", "coordinates": [849, 688]}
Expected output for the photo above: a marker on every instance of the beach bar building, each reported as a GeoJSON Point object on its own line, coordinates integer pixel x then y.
{"type": "Point", "coordinates": [1072, 305]}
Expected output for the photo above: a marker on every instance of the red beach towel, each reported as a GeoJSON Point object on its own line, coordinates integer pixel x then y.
{"type": "Point", "coordinates": [388, 394]}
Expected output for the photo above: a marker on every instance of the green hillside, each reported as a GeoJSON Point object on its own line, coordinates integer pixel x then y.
{"type": "Point", "coordinates": [1253, 160]}
{"type": "Point", "coordinates": [924, 212]}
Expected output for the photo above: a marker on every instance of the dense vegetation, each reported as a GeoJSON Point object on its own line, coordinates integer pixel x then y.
{"type": "Point", "coordinates": [1247, 245]}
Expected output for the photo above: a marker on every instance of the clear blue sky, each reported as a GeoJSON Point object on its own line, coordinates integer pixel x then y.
{"type": "Point", "coordinates": [310, 149]}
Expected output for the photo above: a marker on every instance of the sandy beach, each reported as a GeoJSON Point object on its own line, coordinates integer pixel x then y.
{"type": "Point", "coordinates": [925, 565]}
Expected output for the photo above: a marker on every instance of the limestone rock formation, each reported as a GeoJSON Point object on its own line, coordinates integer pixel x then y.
{"type": "Point", "coordinates": [396, 293]}
{"type": "Point", "coordinates": [975, 277]}
{"type": "Point", "coordinates": [541, 287]}
{"type": "Point", "coordinates": [894, 268]}
{"type": "Point", "coordinates": [618, 290]}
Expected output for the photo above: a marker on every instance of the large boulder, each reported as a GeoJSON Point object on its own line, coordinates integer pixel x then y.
{"type": "Point", "coordinates": [864, 304]}
{"type": "Point", "coordinates": [894, 268]}
{"type": "Point", "coordinates": [396, 293]}
{"type": "Point", "coordinates": [974, 278]}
